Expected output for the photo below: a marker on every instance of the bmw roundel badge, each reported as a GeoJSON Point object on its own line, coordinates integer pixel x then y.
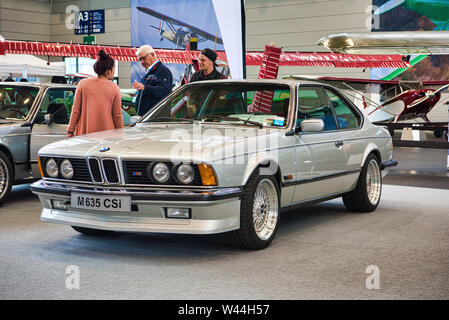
{"type": "Point", "coordinates": [104, 149]}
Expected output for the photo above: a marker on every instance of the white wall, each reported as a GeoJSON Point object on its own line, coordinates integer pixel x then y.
{"type": "Point", "coordinates": [25, 20]}
{"type": "Point", "coordinates": [298, 26]}
{"type": "Point", "coordinates": [117, 28]}
{"type": "Point", "coordinates": [293, 25]}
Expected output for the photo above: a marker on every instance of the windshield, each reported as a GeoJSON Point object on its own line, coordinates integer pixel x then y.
{"type": "Point", "coordinates": [16, 101]}
{"type": "Point", "coordinates": [259, 104]}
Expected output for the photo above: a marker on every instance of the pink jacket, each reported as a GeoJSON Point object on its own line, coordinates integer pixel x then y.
{"type": "Point", "coordinates": [97, 106]}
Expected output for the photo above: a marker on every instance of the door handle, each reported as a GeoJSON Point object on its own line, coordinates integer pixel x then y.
{"type": "Point", "coordinates": [339, 144]}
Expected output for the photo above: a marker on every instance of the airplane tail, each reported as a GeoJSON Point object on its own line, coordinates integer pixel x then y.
{"type": "Point", "coordinates": [269, 68]}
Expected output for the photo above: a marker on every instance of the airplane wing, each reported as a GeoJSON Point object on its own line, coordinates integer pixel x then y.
{"type": "Point", "coordinates": [395, 42]}
{"type": "Point", "coordinates": [336, 80]}
{"type": "Point", "coordinates": [126, 53]}
{"type": "Point", "coordinates": [196, 30]}
{"type": "Point", "coordinates": [323, 59]}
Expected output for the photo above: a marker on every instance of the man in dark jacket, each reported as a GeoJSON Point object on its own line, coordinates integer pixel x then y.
{"type": "Point", "coordinates": [206, 63]}
{"type": "Point", "coordinates": [155, 85]}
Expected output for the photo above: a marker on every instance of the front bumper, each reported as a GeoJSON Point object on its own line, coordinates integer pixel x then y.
{"type": "Point", "coordinates": [212, 210]}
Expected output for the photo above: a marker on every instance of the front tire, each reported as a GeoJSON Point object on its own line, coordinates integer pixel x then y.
{"type": "Point", "coordinates": [259, 214]}
{"type": "Point", "coordinates": [366, 195]}
{"type": "Point", "coordinates": [6, 177]}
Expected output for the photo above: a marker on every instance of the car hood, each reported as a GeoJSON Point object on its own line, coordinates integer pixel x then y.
{"type": "Point", "coordinates": [203, 142]}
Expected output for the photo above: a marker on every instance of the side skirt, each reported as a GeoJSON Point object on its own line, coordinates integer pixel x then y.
{"type": "Point", "coordinates": [307, 203]}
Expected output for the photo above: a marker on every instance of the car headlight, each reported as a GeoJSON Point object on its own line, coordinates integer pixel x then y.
{"type": "Point", "coordinates": [185, 173]}
{"type": "Point", "coordinates": [66, 169]}
{"type": "Point", "coordinates": [161, 173]}
{"type": "Point", "coordinates": [51, 167]}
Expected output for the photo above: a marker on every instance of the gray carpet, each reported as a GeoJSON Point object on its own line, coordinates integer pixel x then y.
{"type": "Point", "coordinates": [320, 252]}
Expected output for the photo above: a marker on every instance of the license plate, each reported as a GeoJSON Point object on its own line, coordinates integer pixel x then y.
{"type": "Point", "coordinates": [100, 202]}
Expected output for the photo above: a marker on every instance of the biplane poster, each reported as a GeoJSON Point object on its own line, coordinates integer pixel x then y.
{"type": "Point", "coordinates": [170, 24]}
{"type": "Point", "coordinates": [413, 15]}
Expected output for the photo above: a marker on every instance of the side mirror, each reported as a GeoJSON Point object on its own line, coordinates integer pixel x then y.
{"type": "Point", "coordinates": [134, 119]}
{"type": "Point", "coordinates": [312, 125]}
{"type": "Point", "coordinates": [47, 119]}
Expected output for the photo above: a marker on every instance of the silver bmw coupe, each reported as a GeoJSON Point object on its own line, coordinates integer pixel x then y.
{"type": "Point", "coordinates": [223, 156]}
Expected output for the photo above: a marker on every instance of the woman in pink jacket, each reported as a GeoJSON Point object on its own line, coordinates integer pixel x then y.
{"type": "Point", "coordinates": [97, 105]}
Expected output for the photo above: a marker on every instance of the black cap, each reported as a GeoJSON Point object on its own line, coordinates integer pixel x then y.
{"type": "Point", "coordinates": [210, 54]}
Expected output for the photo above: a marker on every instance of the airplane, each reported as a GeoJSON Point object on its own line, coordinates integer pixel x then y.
{"type": "Point", "coordinates": [175, 32]}
{"type": "Point", "coordinates": [392, 101]}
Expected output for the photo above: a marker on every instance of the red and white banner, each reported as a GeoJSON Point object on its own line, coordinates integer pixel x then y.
{"type": "Point", "coordinates": [298, 59]}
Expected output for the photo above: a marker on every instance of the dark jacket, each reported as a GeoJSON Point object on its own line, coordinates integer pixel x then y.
{"type": "Point", "coordinates": [158, 84]}
{"type": "Point", "coordinates": [199, 75]}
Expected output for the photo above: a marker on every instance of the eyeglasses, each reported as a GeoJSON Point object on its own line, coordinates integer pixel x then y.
{"type": "Point", "coordinates": [143, 58]}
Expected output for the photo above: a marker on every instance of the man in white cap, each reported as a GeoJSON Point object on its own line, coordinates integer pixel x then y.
{"type": "Point", "coordinates": [155, 85]}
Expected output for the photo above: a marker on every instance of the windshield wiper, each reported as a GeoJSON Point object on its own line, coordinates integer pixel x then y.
{"type": "Point", "coordinates": [168, 119]}
{"type": "Point", "coordinates": [225, 118]}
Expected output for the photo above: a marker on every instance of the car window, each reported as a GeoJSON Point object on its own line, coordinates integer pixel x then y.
{"type": "Point", "coordinates": [347, 118]}
{"type": "Point", "coordinates": [313, 104]}
{"type": "Point", "coordinates": [58, 102]}
{"type": "Point", "coordinates": [128, 105]}
{"type": "Point", "coordinates": [16, 101]}
{"type": "Point", "coordinates": [266, 104]}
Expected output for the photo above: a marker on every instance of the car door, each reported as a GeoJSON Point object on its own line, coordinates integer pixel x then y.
{"type": "Point", "coordinates": [349, 121]}
{"type": "Point", "coordinates": [320, 156]}
{"type": "Point", "coordinates": [56, 102]}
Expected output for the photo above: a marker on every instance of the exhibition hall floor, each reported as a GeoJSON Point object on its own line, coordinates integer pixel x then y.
{"type": "Point", "coordinates": [320, 252]}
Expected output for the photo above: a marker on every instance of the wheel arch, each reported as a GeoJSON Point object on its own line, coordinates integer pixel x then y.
{"type": "Point", "coordinates": [266, 161]}
{"type": "Point", "coordinates": [8, 153]}
{"type": "Point", "coordinates": [371, 149]}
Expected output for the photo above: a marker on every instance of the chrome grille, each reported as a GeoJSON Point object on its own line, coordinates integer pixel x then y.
{"type": "Point", "coordinates": [110, 170]}
{"type": "Point", "coordinates": [95, 170]}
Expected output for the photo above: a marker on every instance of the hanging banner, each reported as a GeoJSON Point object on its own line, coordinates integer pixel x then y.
{"type": "Point", "coordinates": [172, 24]}
{"type": "Point", "coordinates": [231, 19]}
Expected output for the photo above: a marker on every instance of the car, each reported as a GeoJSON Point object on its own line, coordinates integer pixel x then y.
{"type": "Point", "coordinates": [218, 157]}
{"type": "Point", "coordinates": [31, 116]}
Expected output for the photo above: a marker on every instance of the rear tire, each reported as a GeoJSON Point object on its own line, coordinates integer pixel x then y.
{"type": "Point", "coordinates": [259, 214]}
{"type": "Point", "coordinates": [6, 177]}
{"type": "Point", "coordinates": [92, 232]}
{"type": "Point", "coordinates": [438, 133]}
{"type": "Point", "coordinates": [366, 195]}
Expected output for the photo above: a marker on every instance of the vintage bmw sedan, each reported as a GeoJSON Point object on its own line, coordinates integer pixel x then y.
{"type": "Point", "coordinates": [218, 156]}
{"type": "Point", "coordinates": [31, 116]}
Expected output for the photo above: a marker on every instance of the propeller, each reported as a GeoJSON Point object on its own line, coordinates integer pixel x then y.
{"type": "Point", "coordinates": [418, 101]}
{"type": "Point", "coordinates": [388, 6]}
{"type": "Point", "coordinates": [428, 95]}
{"type": "Point", "coordinates": [441, 89]}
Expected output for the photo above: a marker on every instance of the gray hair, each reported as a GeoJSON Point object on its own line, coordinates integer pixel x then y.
{"type": "Point", "coordinates": [146, 49]}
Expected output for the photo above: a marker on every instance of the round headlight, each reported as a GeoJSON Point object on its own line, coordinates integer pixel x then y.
{"type": "Point", "coordinates": [185, 173]}
{"type": "Point", "coordinates": [66, 169]}
{"type": "Point", "coordinates": [51, 168]}
{"type": "Point", "coordinates": [161, 173]}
